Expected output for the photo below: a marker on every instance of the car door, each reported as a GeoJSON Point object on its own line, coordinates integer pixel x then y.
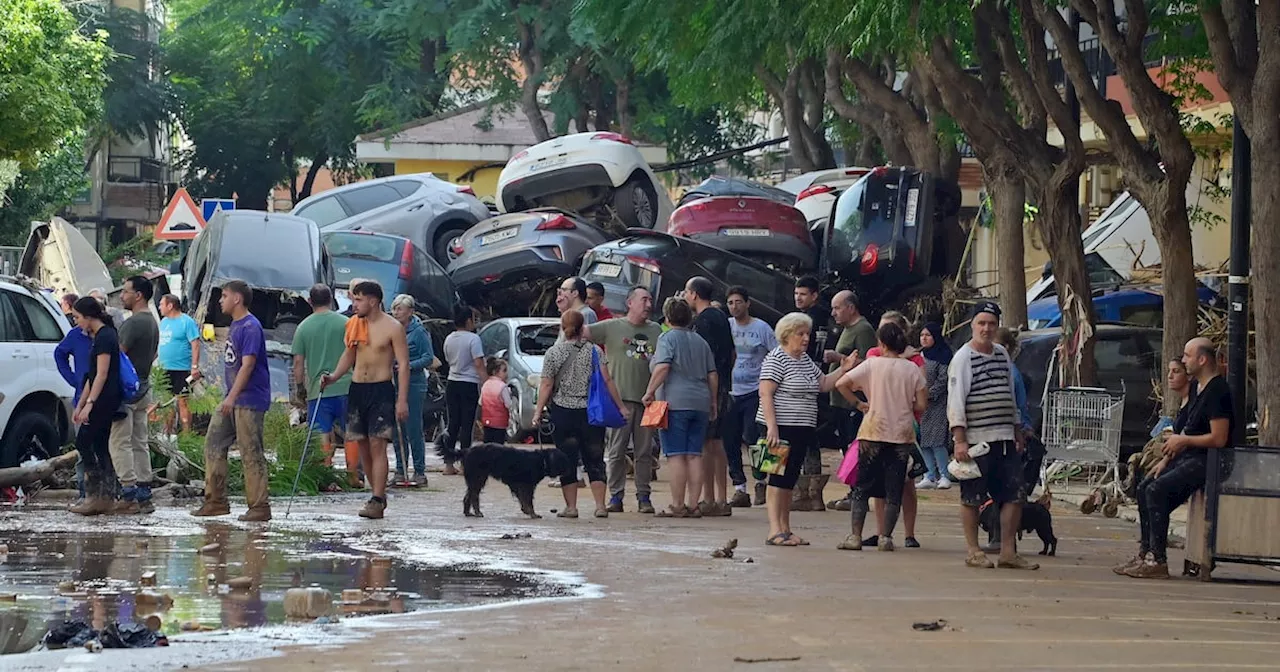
{"type": "Point", "coordinates": [16, 354]}
{"type": "Point", "coordinates": [1127, 361]}
{"type": "Point", "coordinates": [431, 285]}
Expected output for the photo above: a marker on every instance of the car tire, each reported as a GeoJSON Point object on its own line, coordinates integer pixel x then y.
{"type": "Point", "coordinates": [442, 247]}
{"type": "Point", "coordinates": [31, 434]}
{"type": "Point", "coordinates": [636, 203]}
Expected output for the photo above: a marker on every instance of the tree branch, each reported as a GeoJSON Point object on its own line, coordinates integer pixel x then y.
{"type": "Point", "coordinates": [1232, 62]}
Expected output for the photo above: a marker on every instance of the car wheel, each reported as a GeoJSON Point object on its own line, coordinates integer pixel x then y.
{"type": "Point", "coordinates": [636, 203]}
{"type": "Point", "coordinates": [31, 434]}
{"type": "Point", "coordinates": [445, 244]}
{"type": "Point", "coordinates": [515, 431]}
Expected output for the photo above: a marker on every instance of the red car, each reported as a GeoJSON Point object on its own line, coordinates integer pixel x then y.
{"type": "Point", "coordinates": [757, 227]}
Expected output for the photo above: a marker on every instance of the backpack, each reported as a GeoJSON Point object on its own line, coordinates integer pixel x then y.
{"type": "Point", "coordinates": [129, 383]}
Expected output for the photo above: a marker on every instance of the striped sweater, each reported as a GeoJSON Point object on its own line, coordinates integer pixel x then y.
{"type": "Point", "coordinates": [980, 395]}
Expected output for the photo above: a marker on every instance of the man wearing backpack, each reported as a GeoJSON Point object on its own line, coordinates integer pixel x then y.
{"type": "Point", "coordinates": [130, 449]}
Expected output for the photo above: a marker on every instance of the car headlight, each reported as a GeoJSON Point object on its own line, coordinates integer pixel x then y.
{"type": "Point", "coordinates": [534, 380]}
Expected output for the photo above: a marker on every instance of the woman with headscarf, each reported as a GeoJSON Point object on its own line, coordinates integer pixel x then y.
{"type": "Point", "coordinates": [935, 435]}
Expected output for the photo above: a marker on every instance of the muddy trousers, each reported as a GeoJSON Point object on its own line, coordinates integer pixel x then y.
{"type": "Point", "coordinates": [131, 450]}
{"type": "Point", "coordinates": [93, 442]}
{"type": "Point", "coordinates": [1160, 496]}
{"type": "Point", "coordinates": [882, 471]}
{"type": "Point", "coordinates": [616, 441]}
{"type": "Point", "coordinates": [242, 429]}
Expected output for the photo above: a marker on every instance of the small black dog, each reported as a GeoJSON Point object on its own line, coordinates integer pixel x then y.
{"type": "Point", "coordinates": [520, 469]}
{"type": "Point", "coordinates": [1035, 518]}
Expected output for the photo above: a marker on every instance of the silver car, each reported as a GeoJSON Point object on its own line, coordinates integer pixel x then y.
{"type": "Point", "coordinates": [428, 211]}
{"type": "Point", "coordinates": [522, 341]}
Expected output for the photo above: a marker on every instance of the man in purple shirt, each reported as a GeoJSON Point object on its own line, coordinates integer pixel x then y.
{"type": "Point", "coordinates": [238, 420]}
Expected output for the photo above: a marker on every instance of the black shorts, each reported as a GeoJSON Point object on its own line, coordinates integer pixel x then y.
{"type": "Point", "coordinates": [495, 434]}
{"type": "Point", "coordinates": [1001, 478]}
{"type": "Point", "coordinates": [178, 384]}
{"type": "Point", "coordinates": [371, 411]}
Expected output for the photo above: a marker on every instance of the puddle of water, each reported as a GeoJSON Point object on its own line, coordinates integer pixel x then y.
{"type": "Point", "coordinates": [100, 577]}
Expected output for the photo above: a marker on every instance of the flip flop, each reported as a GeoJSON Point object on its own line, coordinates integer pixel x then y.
{"type": "Point", "coordinates": [781, 539]}
{"type": "Point", "coordinates": [672, 512]}
{"type": "Point", "coordinates": [800, 542]}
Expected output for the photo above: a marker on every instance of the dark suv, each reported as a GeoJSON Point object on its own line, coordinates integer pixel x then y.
{"type": "Point", "coordinates": [664, 263]}
{"type": "Point", "coordinates": [1128, 359]}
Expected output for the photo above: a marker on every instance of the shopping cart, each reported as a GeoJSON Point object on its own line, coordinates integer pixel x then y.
{"type": "Point", "coordinates": [1082, 442]}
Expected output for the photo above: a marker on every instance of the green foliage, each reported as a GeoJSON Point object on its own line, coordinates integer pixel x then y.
{"type": "Point", "coordinates": [39, 192]}
{"type": "Point", "coordinates": [51, 78]}
{"type": "Point", "coordinates": [141, 249]}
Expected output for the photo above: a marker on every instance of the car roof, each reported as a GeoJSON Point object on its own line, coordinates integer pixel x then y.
{"type": "Point", "coordinates": [360, 232]}
{"type": "Point", "coordinates": [524, 321]}
{"type": "Point", "coordinates": [1131, 296]}
{"type": "Point", "coordinates": [1101, 329]}
{"type": "Point", "coordinates": [423, 178]}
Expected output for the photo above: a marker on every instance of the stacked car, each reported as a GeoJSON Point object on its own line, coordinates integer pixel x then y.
{"type": "Point", "coordinates": [747, 218]}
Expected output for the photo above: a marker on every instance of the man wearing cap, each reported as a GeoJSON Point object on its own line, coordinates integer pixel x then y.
{"type": "Point", "coordinates": [983, 415]}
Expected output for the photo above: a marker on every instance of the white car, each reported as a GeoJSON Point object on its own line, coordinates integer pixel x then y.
{"type": "Point", "coordinates": [816, 192]}
{"type": "Point", "coordinates": [35, 402]}
{"type": "Point", "coordinates": [593, 174]}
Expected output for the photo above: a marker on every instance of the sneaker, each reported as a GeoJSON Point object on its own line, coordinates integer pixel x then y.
{"type": "Point", "coordinates": [944, 484]}
{"type": "Point", "coordinates": [126, 507]}
{"type": "Point", "coordinates": [420, 480]}
{"type": "Point", "coordinates": [911, 542]}
{"type": "Point", "coordinates": [645, 506]}
{"type": "Point", "coordinates": [615, 504]}
{"type": "Point", "coordinates": [373, 509]}
{"type": "Point", "coordinates": [707, 509]}
{"type": "Point", "coordinates": [1149, 569]}
{"type": "Point", "coordinates": [602, 513]}
{"type": "Point", "coordinates": [926, 483]}
{"type": "Point", "coordinates": [978, 560]}
{"type": "Point", "coordinates": [207, 509]}
{"type": "Point", "coordinates": [886, 544]}
{"type": "Point", "coordinates": [723, 509]}
{"type": "Point", "coordinates": [1019, 562]}
{"type": "Point", "coordinates": [741, 500]}
{"type": "Point", "coordinates": [1127, 565]}
{"type": "Point", "coordinates": [146, 507]}
{"type": "Point", "coordinates": [260, 515]}
{"type": "Point", "coordinates": [850, 543]}
{"type": "Point", "coordinates": [567, 513]}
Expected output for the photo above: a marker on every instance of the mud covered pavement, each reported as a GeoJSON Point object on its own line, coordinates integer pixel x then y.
{"type": "Point", "coordinates": [632, 592]}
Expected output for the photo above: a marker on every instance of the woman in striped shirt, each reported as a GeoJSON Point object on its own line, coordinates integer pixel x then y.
{"type": "Point", "coordinates": [790, 383]}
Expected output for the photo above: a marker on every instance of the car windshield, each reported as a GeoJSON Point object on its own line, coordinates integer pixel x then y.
{"type": "Point", "coordinates": [536, 339]}
{"type": "Point", "coordinates": [727, 186]}
{"type": "Point", "coordinates": [384, 273]}
{"type": "Point", "coordinates": [864, 213]}
{"type": "Point", "coordinates": [362, 246]}
{"type": "Point", "coordinates": [253, 254]}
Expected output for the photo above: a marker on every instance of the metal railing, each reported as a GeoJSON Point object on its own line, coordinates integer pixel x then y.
{"type": "Point", "coordinates": [136, 169]}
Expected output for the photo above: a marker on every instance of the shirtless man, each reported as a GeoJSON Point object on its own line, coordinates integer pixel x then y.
{"type": "Point", "coordinates": [374, 340]}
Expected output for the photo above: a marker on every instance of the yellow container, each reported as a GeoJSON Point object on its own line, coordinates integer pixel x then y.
{"type": "Point", "coordinates": [207, 332]}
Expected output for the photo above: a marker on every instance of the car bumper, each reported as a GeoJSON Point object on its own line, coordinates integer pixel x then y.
{"type": "Point", "coordinates": [529, 188]}
{"type": "Point", "coordinates": [507, 269]}
{"type": "Point", "coordinates": [772, 247]}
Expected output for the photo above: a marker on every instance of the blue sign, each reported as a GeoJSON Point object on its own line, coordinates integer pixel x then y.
{"type": "Point", "coordinates": [209, 206]}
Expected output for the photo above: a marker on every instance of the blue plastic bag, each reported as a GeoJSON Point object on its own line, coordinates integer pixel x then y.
{"type": "Point", "coordinates": [601, 411]}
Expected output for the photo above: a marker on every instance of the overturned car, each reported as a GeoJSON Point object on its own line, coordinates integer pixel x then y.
{"type": "Point", "coordinates": [280, 256]}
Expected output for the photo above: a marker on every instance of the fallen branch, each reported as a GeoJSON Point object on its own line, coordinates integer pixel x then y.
{"type": "Point", "coordinates": [12, 476]}
{"type": "Point", "coordinates": [786, 659]}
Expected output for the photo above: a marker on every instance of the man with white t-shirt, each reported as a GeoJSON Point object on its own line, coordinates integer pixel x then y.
{"type": "Point", "coordinates": [753, 338]}
{"type": "Point", "coordinates": [465, 355]}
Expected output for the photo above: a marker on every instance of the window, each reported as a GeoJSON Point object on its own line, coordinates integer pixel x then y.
{"type": "Point", "coordinates": [433, 284]}
{"type": "Point", "coordinates": [406, 188]}
{"type": "Point", "coordinates": [1145, 315]}
{"type": "Point", "coordinates": [43, 326]}
{"type": "Point", "coordinates": [11, 330]}
{"type": "Point", "coordinates": [764, 286]}
{"type": "Point", "coordinates": [367, 198]}
{"type": "Point", "coordinates": [495, 338]}
{"type": "Point", "coordinates": [323, 212]}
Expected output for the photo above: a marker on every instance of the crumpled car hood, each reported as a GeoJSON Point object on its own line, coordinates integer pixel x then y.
{"type": "Point", "coordinates": [60, 258]}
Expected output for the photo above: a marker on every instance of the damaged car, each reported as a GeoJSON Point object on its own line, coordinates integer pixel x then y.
{"type": "Point", "coordinates": [747, 218]}
{"type": "Point", "coordinates": [60, 259]}
{"type": "Point", "coordinates": [280, 256]}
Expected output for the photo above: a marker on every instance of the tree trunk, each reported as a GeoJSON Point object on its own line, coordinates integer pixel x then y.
{"type": "Point", "coordinates": [1059, 219]}
{"type": "Point", "coordinates": [1167, 208]}
{"type": "Point", "coordinates": [317, 162]}
{"type": "Point", "coordinates": [865, 154]}
{"type": "Point", "coordinates": [531, 60]}
{"type": "Point", "coordinates": [622, 101]}
{"type": "Point", "coordinates": [1008, 198]}
{"type": "Point", "coordinates": [1265, 271]}
{"type": "Point", "coordinates": [14, 476]}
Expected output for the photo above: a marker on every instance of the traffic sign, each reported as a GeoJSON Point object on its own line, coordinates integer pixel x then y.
{"type": "Point", "coordinates": [209, 206]}
{"type": "Point", "coordinates": [181, 219]}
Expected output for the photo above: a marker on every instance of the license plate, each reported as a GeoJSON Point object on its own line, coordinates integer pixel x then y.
{"type": "Point", "coordinates": [758, 233]}
{"type": "Point", "coordinates": [499, 235]}
{"type": "Point", "coordinates": [548, 163]}
{"type": "Point", "coordinates": [913, 203]}
{"type": "Point", "coordinates": [607, 270]}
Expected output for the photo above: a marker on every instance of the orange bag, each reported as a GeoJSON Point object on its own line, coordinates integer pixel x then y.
{"type": "Point", "coordinates": [655, 415]}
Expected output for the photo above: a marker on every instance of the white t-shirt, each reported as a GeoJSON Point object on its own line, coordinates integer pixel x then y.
{"type": "Point", "coordinates": [461, 348]}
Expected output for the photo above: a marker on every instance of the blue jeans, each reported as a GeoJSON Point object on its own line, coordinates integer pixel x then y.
{"type": "Point", "coordinates": [740, 424]}
{"type": "Point", "coordinates": [935, 460]}
{"type": "Point", "coordinates": [411, 434]}
{"type": "Point", "coordinates": [684, 433]}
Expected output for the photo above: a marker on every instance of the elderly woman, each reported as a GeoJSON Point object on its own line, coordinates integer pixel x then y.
{"type": "Point", "coordinates": [895, 390]}
{"type": "Point", "coordinates": [421, 357]}
{"type": "Point", "coordinates": [684, 376]}
{"type": "Point", "coordinates": [566, 376]}
{"type": "Point", "coordinates": [790, 383]}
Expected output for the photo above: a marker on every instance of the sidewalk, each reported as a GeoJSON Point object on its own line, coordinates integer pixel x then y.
{"type": "Point", "coordinates": [1074, 495]}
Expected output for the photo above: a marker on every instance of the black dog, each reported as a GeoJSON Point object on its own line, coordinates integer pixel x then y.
{"type": "Point", "coordinates": [520, 469]}
{"type": "Point", "coordinates": [1035, 518]}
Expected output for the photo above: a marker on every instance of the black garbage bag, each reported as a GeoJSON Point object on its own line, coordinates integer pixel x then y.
{"type": "Point", "coordinates": [130, 636]}
{"type": "Point", "coordinates": [69, 634]}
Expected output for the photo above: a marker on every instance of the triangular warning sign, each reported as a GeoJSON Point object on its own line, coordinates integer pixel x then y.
{"type": "Point", "coordinates": [181, 219]}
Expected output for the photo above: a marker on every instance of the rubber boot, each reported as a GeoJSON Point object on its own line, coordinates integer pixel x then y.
{"type": "Point", "coordinates": [816, 484]}
{"type": "Point", "coordinates": [760, 493]}
{"type": "Point", "coordinates": [800, 499]}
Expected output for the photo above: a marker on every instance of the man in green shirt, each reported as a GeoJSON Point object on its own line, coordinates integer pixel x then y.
{"type": "Point", "coordinates": [856, 334]}
{"type": "Point", "coordinates": [318, 344]}
{"type": "Point", "coordinates": [629, 343]}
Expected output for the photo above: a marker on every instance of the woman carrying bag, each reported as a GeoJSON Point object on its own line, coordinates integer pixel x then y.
{"type": "Point", "coordinates": [567, 370]}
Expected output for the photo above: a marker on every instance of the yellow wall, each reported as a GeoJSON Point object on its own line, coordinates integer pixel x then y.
{"type": "Point", "coordinates": [484, 182]}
